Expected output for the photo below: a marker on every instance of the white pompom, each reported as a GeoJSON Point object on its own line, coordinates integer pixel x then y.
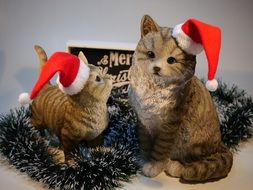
{"type": "Point", "coordinates": [24, 98]}
{"type": "Point", "coordinates": [212, 85]}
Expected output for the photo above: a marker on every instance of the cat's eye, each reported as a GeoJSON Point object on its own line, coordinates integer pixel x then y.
{"type": "Point", "coordinates": [151, 54]}
{"type": "Point", "coordinates": [98, 79]}
{"type": "Point", "coordinates": [171, 60]}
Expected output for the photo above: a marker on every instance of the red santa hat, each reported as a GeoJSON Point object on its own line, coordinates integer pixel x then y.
{"type": "Point", "coordinates": [193, 36]}
{"type": "Point", "coordinates": [73, 74]}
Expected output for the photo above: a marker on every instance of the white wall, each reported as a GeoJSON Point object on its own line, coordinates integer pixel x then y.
{"type": "Point", "coordinates": [51, 23]}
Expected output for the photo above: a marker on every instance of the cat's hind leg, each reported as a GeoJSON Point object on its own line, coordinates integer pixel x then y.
{"type": "Point", "coordinates": [37, 121]}
{"type": "Point", "coordinates": [174, 168]}
{"type": "Point", "coordinates": [215, 166]}
{"type": "Point", "coordinates": [208, 168]}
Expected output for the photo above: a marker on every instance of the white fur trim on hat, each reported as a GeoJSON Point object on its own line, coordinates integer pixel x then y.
{"type": "Point", "coordinates": [212, 85]}
{"type": "Point", "coordinates": [185, 42]}
{"type": "Point", "coordinates": [24, 98]}
{"type": "Point", "coordinates": [79, 82]}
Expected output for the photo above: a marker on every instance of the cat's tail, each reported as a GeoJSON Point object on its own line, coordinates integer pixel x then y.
{"type": "Point", "coordinates": [212, 167]}
{"type": "Point", "coordinates": [42, 56]}
{"type": "Point", "coordinates": [25, 98]}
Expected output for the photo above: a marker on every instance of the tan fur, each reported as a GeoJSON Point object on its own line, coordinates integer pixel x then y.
{"type": "Point", "coordinates": [178, 124]}
{"type": "Point", "coordinates": [83, 116]}
{"type": "Point", "coordinates": [42, 56]}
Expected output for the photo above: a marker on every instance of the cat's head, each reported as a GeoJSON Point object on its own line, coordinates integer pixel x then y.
{"type": "Point", "coordinates": [98, 85]}
{"type": "Point", "coordinates": [159, 55]}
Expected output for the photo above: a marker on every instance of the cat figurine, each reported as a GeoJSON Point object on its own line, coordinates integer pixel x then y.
{"type": "Point", "coordinates": [73, 118]}
{"type": "Point", "coordinates": [178, 126]}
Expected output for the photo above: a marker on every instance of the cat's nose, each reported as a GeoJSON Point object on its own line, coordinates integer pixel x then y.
{"type": "Point", "coordinates": [157, 69]}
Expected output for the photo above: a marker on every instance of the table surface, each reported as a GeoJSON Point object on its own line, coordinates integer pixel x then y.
{"type": "Point", "coordinates": [240, 177]}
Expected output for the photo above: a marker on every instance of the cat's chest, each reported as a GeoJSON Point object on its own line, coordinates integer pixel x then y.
{"type": "Point", "coordinates": [96, 120]}
{"type": "Point", "coordinates": [152, 104]}
{"type": "Point", "coordinates": [151, 101]}
{"type": "Point", "coordinates": [88, 122]}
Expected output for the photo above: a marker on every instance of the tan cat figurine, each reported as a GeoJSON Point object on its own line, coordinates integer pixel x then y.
{"type": "Point", "coordinates": [75, 110]}
{"type": "Point", "coordinates": [178, 128]}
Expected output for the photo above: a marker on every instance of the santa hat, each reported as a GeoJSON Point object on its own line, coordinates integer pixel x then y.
{"type": "Point", "coordinates": [73, 74]}
{"type": "Point", "coordinates": [193, 36]}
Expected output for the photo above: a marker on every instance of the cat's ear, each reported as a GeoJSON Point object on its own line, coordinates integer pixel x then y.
{"type": "Point", "coordinates": [82, 57]}
{"type": "Point", "coordinates": [148, 25]}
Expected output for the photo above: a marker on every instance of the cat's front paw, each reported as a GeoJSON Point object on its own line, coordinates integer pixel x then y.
{"type": "Point", "coordinates": [152, 169]}
{"type": "Point", "coordinates": [57, 155]}
{"type": "Point", "coordinates": [72, 163]}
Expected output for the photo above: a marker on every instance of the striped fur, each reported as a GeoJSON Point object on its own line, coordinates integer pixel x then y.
{"type": "Point", "coordinates": [178, 124]}
{"type": "Point", "coordinates": [73, 118]}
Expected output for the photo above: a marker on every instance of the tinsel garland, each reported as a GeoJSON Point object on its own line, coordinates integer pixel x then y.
{"type": "Point", "coordinates": [105, 167]}
{"type": "Point", "coordinates": [100, 168]}
{"type": "Point", "coordinates": [235, 109]}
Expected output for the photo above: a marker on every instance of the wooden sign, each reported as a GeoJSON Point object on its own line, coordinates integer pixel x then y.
{"type": "Point", "coordinates": [114, 58]}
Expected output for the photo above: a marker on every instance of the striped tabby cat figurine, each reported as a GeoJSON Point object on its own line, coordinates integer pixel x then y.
{"type": "Point", "coordinates": [178, 125]}
{"type": "Point", "coordinates": [76, 111]}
